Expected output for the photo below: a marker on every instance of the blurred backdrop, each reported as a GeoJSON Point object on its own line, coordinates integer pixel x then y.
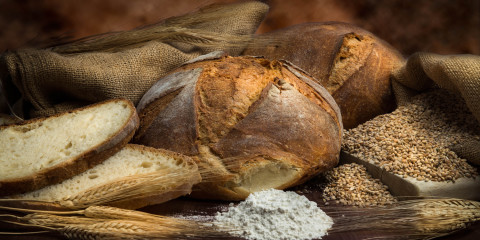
{"type": "Point", "coordinates": [439, 26]}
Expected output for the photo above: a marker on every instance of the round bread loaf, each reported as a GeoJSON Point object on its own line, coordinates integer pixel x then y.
{"type": "Point", "coordinates": [249, 123]}
{"type": "Point", "coordinates": [350, 62]}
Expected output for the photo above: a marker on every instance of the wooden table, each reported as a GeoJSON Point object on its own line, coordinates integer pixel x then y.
{"type": "Point", "coordinates": [191, 207]}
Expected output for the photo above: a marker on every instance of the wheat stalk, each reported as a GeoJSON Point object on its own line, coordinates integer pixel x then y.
{"type": "Point", "coordinates": [131, 187]}
{"type": "Point", "coordinates": [106, 212]}
{"type": "Point", "coordinates": [128, 229]}
{"type": "Point", "coordinates": [137, 38]}
{"type": "Point", "coordinates": [410, 219]}
{"type": "Point", "coordinates": [182, 29]}
{"type": "Point", "coordinates": [54, 221]}
{"type": "Point", "coordinates": [103, 222]}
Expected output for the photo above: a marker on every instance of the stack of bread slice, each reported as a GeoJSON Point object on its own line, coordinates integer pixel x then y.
{"type": "Point", "coordinates": [82, 158]}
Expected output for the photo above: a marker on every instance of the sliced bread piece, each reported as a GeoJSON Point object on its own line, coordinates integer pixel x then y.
{"type": "Point", "coordinates": [45, 151]}
{"type": "Point", "coordinates": [134, 177]}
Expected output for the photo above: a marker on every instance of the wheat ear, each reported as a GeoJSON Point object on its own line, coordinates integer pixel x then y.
{"type": "Point", "coordinates": [130, 187]}
{"type": "Point", "coordinates": [410, 219]}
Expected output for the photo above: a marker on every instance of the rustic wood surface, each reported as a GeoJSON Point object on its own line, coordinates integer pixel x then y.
{"type": "Point", "coordinates": [191, 207]}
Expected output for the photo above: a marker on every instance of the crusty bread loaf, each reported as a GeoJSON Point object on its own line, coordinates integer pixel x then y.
{"type": "Point", "coordinates": [134, 177]}
{"type": "Point", "coordinates": [45, 151]}
{"type": "Point", "coordinates": [250, 124]}
{"type": "Point", "coordinates": [351, 63]}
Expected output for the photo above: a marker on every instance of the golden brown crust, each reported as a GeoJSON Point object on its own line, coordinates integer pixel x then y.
{"type": "Point", "coordinates": [252, 116]}
{"type": "Point", "coordinates": [180, 188]}
{"type": "Point", "coordinates": [176, 115]}
{"type": "Point", "coordinates": [351, 63]}
{"type": "Point", "coordinates": [87, 160]}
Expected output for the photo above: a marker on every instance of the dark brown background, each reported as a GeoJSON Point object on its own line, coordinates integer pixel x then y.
{"type": "Point", "coordinates": [440, 26]}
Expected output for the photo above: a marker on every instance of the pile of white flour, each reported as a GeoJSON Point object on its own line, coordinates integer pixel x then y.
{"type": "Point", "coordinates": [275, 214]}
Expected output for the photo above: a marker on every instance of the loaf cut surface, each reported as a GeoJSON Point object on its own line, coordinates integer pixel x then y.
{"type": "Point", "coordinates": [134, 177]}
{"type": "Point", "coordinates": [46, 151]}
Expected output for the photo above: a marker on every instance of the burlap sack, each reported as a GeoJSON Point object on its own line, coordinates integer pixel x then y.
{"type": "Point", "coordinates": [460, 74]}
{"type": "Point", "coordinates": [124, 64]}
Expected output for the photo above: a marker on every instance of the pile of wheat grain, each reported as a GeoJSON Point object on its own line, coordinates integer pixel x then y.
{"type": "Point", "coordinates": [351, 184]}
{"type": "Point", "coordinates": [415, 140]}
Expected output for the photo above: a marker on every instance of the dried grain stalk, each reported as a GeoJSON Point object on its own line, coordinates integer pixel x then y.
{"type": "Point", "coordinates": [125, 191]}
{"type": "Point", "coordinates": [101, 222]}
{"type": "Point", "coordinates": [130, 188]}
{"type": "Point", "coordinates": [409, 219]}
{"type": "Point", "coordinates": [183, 29]}
{"type": "Point", "coordinates": [113, 42]}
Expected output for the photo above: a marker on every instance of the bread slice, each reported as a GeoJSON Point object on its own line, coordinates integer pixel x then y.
{"type": "Point", "coordinates": [134, 177]}
{"type": "Point", "coordinates": [45, 151]}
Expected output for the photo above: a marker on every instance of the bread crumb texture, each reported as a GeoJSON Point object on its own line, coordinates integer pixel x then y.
{"type": "Point", "coordinates": [130, 161]}
{"type": "Point", "coordinates": [32, 147]}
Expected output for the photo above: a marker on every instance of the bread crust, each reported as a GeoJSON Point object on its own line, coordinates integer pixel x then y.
{"type": "Point", "coordinates": [350, 62]}
{"type": "Point", "coordinates": [90, 158]}
{"type": "Point", "coordinates": [249, 114]}
{"type": "Point", "coordinates": [180, 188]}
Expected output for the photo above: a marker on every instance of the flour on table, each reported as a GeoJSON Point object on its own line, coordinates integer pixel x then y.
{"type": "Point", "coordinates": [275, 214]}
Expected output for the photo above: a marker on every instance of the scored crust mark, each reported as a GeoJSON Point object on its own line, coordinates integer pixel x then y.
{"type": "Point", "coordinates": [351, 56]}
{"type": "Point", "coordinates": [150, 111]}
{"type": "Point", "coordinates": [174, 128]}
{"type": "Point", "coordinates": [277, 87]}
{"type": "Point", "coordinates": [249, 119]}
{"type": "Point", "coordinates": [225, 93]}
{"type": "Point", "coordinates": [288, 115]}
{"type": "Point", "coordinates": [174, 124]}
{"type": "Point", "coordinates": [169, 84]}
{"type": "Point", "coordinates": [313, 91]}
{"type": "Point", "coordinates": [282, 147]}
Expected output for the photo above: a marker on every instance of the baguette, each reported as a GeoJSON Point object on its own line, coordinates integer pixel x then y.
{"type": "Point", "coordinates": [134, 177]}
{"type": "Point", "coordinates": [44, 151]}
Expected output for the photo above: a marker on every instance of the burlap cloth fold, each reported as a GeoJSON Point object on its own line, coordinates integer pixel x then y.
{"type": "Point", "coordinates": [460, 74]}
{"type": "Point", "coordinates": [123, 64]}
